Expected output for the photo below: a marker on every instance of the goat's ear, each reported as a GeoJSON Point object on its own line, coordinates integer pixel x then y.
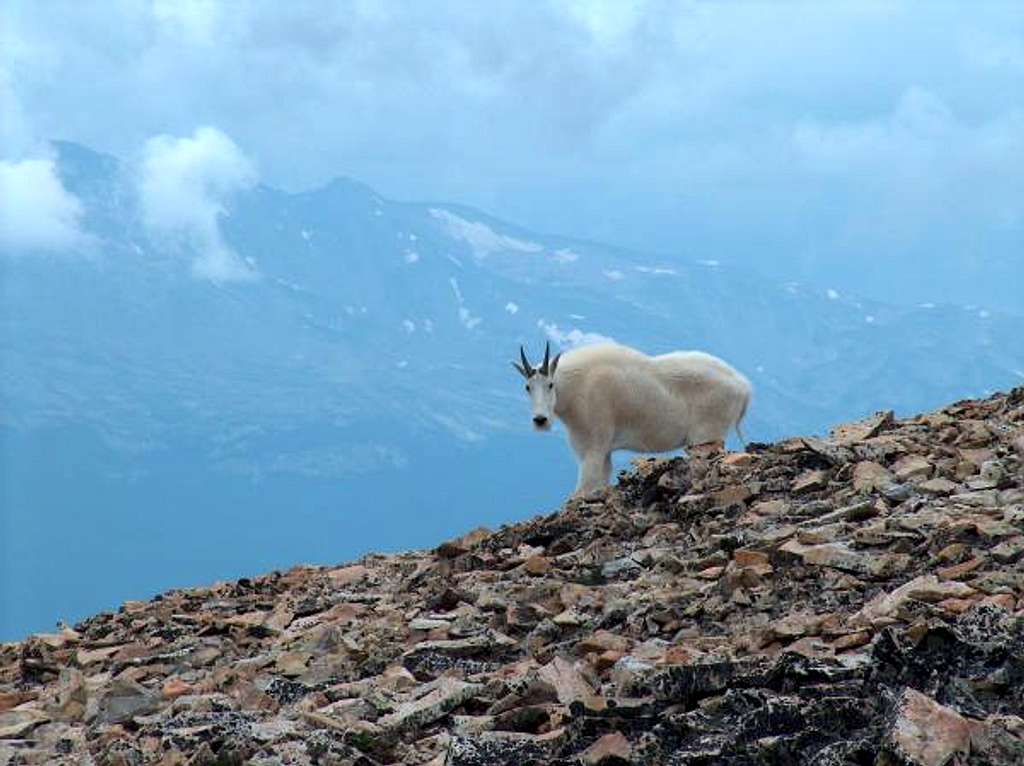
{"type": "Point", "coordinates": [519, 367]}
{"type": "Point", "coordinates": [554, 364]}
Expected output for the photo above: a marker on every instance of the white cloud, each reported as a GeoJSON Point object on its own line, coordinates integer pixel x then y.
{"type": "Point", "coordinates": [614, 275]}
{"type": "Point", "coordinates": [480, 237]}
{"type": "Point", "coordinates": [999, 53]}
{"type": "Point", "coordinates": [832, 294]}
{"type": "Point", "coordinates": [194, 21]}
{"type": "Point", "coordinates": [565, 255]}
{"type": "Point", "coordinates": [919, 126]}
{"type": "Point", "coordinates": [36, 212]}
{"type": "Point", "coordinates": [184, 185]}
{"type": "Point", "coordinates": [15, 131]}
{"type": "Point", "coordinates": [670, 135]}
{"type": "Point", "coordinates": [512, 308]}
{"type": "Point", "coordinates": [571, 338]}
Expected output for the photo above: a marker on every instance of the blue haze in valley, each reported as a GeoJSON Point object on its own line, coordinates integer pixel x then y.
{"type": "Point", "coordinates": [263, 266]}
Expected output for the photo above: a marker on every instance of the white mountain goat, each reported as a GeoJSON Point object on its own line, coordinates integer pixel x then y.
{"type": "Point", "coordinates": [613, 397]}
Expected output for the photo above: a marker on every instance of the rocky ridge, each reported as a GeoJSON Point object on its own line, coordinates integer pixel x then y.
{"type": "Point", "coordinates": [855, 599]}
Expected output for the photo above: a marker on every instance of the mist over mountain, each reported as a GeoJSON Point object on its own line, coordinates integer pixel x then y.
{"type": "Point", "coordinates": [280, 377]}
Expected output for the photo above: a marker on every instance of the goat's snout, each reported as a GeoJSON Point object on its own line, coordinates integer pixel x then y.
{"type": "Point", "coordinates": [540, 421]}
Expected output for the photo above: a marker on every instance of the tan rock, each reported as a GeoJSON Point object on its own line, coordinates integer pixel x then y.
{"type": "Point", "coordinates": [292, 664]}
{"type": "Point", "coordinates": [841, 556]}
{"type": "Point", "coordinates": [926, 733]}
{"type": "Point", "coordinates": [886, 606]}
{"type": "Point", "coordinates": [537, 565]}
{"type": "Point", "coordinates": [851, 640]}
{"type": "Point", "coordinates": [611, 748]}
{"type": "Point", "coordinates": [770, 507]}
{"type": "Point", "coordinates": [123, 700]}
{"type": "Point", "coordinates": [569, 683]}
{"type": "Point", "coordinates": [10, 700]}
{"type": "Point", "coordinates": [453, 548]}
{"type": "Point", "coordinates": [72, 696]}
{"type": "Point", "coordinates": [952, 552]}
{"type": "Point", "coordinates": [350, 575]}
{"type": "Point", "coordinates": [958, 571]}
{"type": "Point", "coordinates": [810, 481]}
{"type": "Point", "coordinates": [746, 557]}
{"type": "Point", "coordinates": [19, 721]}
{"type": "Point", "coordinates": [869, 476]}
{"type": "Point", "coordinates": [955, 606]}
{"type": "Point", "coordinates": [603, 640]}
{"type": "Point", "coordinates": [1002, 600]}
{"type": "Point", "coordinates": [91, 656]}
{"type": "Point", "coordinates": [851, 433]}
{"type": "Point", "coordinates": [732, 495]}
{"type": "Point", "coordinates": [938, 486]}
{"type": "Point", "coordinates": [1009, 551]}
{"type": "Point", "coordinates": [175, 687]}
{"type": "Point", "coordinates": [795, 625]}
{"type": "Point", "coordinates": [437, 701]}
{"type": "Point", "coordinates": [738, 459]}
{"type": "Point", "coordinates": [911, 468]}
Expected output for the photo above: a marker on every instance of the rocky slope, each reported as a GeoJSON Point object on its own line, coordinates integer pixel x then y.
{"type": "Point", "coordinates": [857, 599]}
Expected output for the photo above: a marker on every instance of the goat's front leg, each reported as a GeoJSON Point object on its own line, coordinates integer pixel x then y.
{"type": "Point", "coordinates": [595, 471]}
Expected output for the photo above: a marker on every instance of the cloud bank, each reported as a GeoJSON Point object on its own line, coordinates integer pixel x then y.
{"type": "Point", "coordinates": [37, 214]}
{"type": "Point", "coordinates": [184, 184]}
{"type": "Point", "coordinates": [801, 138]}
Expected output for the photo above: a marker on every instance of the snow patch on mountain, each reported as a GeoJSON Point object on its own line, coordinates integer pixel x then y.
{"type": "Point", "coordinates": [480, 237]}
{"type": "Point", "coordinates": [465, 315]}
{"type": "Point", "coordinates": [458, 429]}
{"type": "Point", "coordinates": [572, 337]}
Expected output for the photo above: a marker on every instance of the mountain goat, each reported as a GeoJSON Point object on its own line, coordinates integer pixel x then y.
{"type": "Point", "coordinates": [613, 397]}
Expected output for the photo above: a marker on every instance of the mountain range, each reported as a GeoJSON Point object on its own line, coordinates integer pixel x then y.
{"type": "Point", "coordinates": [167, 428]}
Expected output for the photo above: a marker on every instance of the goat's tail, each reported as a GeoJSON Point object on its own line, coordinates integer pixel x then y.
{"type": "Point", "coordinates": [736, 425]}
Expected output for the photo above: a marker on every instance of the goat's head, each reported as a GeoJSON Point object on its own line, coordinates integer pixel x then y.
{"type": "Point", "coordinates": [540, 385]}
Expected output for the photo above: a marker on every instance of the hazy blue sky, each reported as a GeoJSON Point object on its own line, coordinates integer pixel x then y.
{"type": "Point", "coordinates": [717, 129]}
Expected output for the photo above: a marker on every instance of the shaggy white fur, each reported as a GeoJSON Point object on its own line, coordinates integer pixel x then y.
{"type": "Point", "coordinates": [613, 397]}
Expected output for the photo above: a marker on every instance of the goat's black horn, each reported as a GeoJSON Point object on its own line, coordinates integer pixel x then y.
{"type": "Point", "coordinates": [526, 363]}
{"type": "Point", "coordinates": [547, 358]}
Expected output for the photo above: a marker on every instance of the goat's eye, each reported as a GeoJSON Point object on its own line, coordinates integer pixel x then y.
{"type": "Point", "coordinates": [551, 385]}
{"type": "Point", "coordinates": [527, 386]}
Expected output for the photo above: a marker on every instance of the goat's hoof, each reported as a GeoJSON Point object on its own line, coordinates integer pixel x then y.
{"type": "Point", "coordinates": [593, 495]}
